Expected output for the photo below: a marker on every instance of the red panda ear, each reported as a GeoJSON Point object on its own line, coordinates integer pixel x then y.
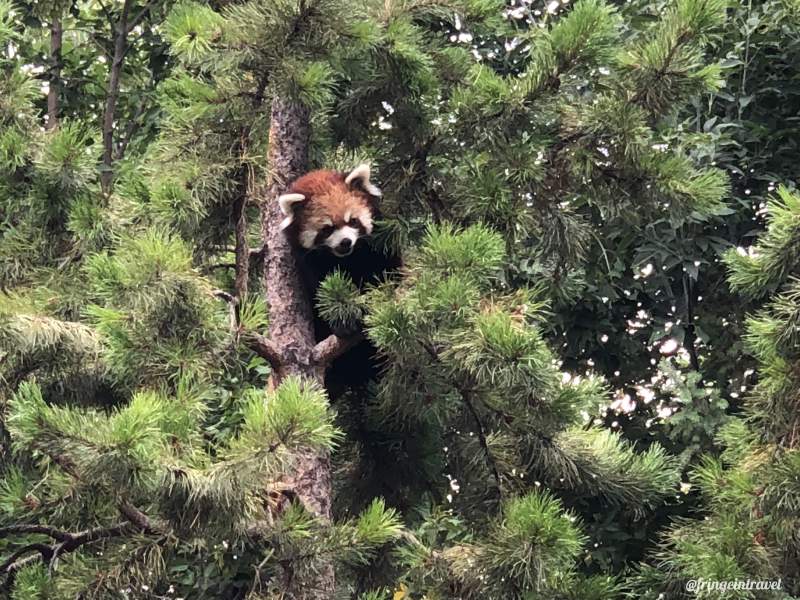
{"type": "Point", "coordinates": [360, 177]}
{"type": "Point", "coordinates": [287, 202]}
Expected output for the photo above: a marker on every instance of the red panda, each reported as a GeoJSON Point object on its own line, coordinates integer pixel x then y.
{"type": "Point", "coordinates": [329, 217]}
{"type": "Point", "coordinates": [330, 209]}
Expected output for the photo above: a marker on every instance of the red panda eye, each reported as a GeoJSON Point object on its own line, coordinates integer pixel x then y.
{"type": "Point", "coordinates": [327, 230]}
{"type": "Point", "coordinates": [354, 222]}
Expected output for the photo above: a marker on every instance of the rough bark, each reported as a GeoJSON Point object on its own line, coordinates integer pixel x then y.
{"type": "Point", "coordinates": [290, 346]}
{"type": "Point", "coordinates": [291, 319]}
{"type": "Point", "coordinates": [54, 79]}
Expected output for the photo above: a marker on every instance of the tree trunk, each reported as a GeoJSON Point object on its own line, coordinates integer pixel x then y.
{"type": "Point", "coordinates": [291, 329]}
{"type": "Point", "coordinates": [112, 94]}
{"type": "Point", "coordinates": [56, 33]}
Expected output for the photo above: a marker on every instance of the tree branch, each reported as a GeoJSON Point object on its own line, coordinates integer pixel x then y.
{"type": "Point", "coordinates": [137, 18]}
{"type": "Point", "coordinates": [52, 532]}
{"type": "Point", "coordinates": [233, 303]}
{"type": "Point", "coordinates": [265, 348]}
{"type": "Point", "coordinates": [54, 73]}
{"type": "Point", "coordinates": [223, 295]}
{"type": "Point", "coordinates": [66, 542]}
{"type": "Point", "coordinates": [332, 347]}
{"type": "Point", "coordinates": [126, 509]}
{"type": "Point", "coordinates": [239, 216]}
{"type": "Point", "coordinates": [466, 396]}
{"type": "Point", "coordinates": [120, 32]}
{"type": "Point", "coordinates": [242, 249]}
{"type": "Point", "coordinates": [106, 12]}
{"type": "Point", "coordinates": [133, 127]}
{"type": "Point", "coordinates": [137, 517]}
{"type": "Point", "coordinates": [44, 550]}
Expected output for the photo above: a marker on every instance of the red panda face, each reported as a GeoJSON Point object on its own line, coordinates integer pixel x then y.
{"type": "Point", "coordinates": [331, 210]}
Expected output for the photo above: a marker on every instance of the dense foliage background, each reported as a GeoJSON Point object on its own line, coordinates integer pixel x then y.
{"type": "Point", "coordinates": [591, 357]}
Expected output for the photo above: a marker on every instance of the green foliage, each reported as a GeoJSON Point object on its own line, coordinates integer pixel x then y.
{"type": "Point", "coordinates": [32, 583]}
{"type": "Point", "coordinates": [296, 414]}
{"type": "Point", "coordinates": [758, 270]}
{"type": "Point", "coordinates": [750, 491]}
{"type": "Point", "coordinates": [192, 29]}
{"type": "Point", "coordinates": [558, 352]}
{"type": "Point", "coordinates": [115, 452]}
{"type": "Point", "coordinates": [530, 549]}
{"type": "Point", "coordinates": [667, 65]}
{"type": "Point", "coordinates": [155, 313]}
{"type": "Point", "coordinates": [700, 411]}
{"type": "Point", "coordinates": [338, 302]}
{"type": "Point", "coordinates": [532, 544]}
{"type": "Point", "coordinates": [67, 159]}
{"type": "Point", "coordinates": [476, 250]}
{"type": "Point", "coordinates": [364, 536]}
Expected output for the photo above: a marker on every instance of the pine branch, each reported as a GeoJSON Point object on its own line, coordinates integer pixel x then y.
{"type": "Point", "coordinates": [239, 212]}
{"type": "Point", "coordinates": [52, 532]}
{"type": "Point", "coordinates": [663, 70]}
{"type": "Point", "coordinates": [465, 391]}
{"type": "Point", "coordinates": [466, 397]}
{"type": "Point", "coordinates": [66, 542]}
{"type": "Point", "coordinates": [138, 518]}
{"type": "Point", "coordinates": [242, 264]}
{"type": "Point", "coordinates": [126, 509]}
{"type": "Point", "coordinates": [10, 564]}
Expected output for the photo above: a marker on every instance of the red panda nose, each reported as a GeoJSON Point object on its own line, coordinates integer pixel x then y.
{"type": "Point", "coordinates": [345, 245]}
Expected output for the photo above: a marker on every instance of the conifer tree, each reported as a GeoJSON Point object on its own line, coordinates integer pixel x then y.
{"type": "Point", "coordinates": [750, 491]}
{"type": "Point", "coordinates": [138, 333]}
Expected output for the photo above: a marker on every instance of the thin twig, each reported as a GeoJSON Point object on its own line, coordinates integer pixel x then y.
{"type": "Point", "coordinates": [691, 337]}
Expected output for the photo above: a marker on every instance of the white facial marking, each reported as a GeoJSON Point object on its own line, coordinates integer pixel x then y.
{"type": "Point", "coordinates": [287, 200]}
{"type": "Point", "coordinates": [362, 172]}
{"type": "Point", "coordinates": [366, 221]}
{"type": "Point", "coordinates": [307, 237]}
{"type": "Point", "coordinates": [338, 236]}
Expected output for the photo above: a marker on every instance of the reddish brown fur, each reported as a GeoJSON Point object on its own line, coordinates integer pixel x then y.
{"type": "Point", "coordinates": [328, 197]}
